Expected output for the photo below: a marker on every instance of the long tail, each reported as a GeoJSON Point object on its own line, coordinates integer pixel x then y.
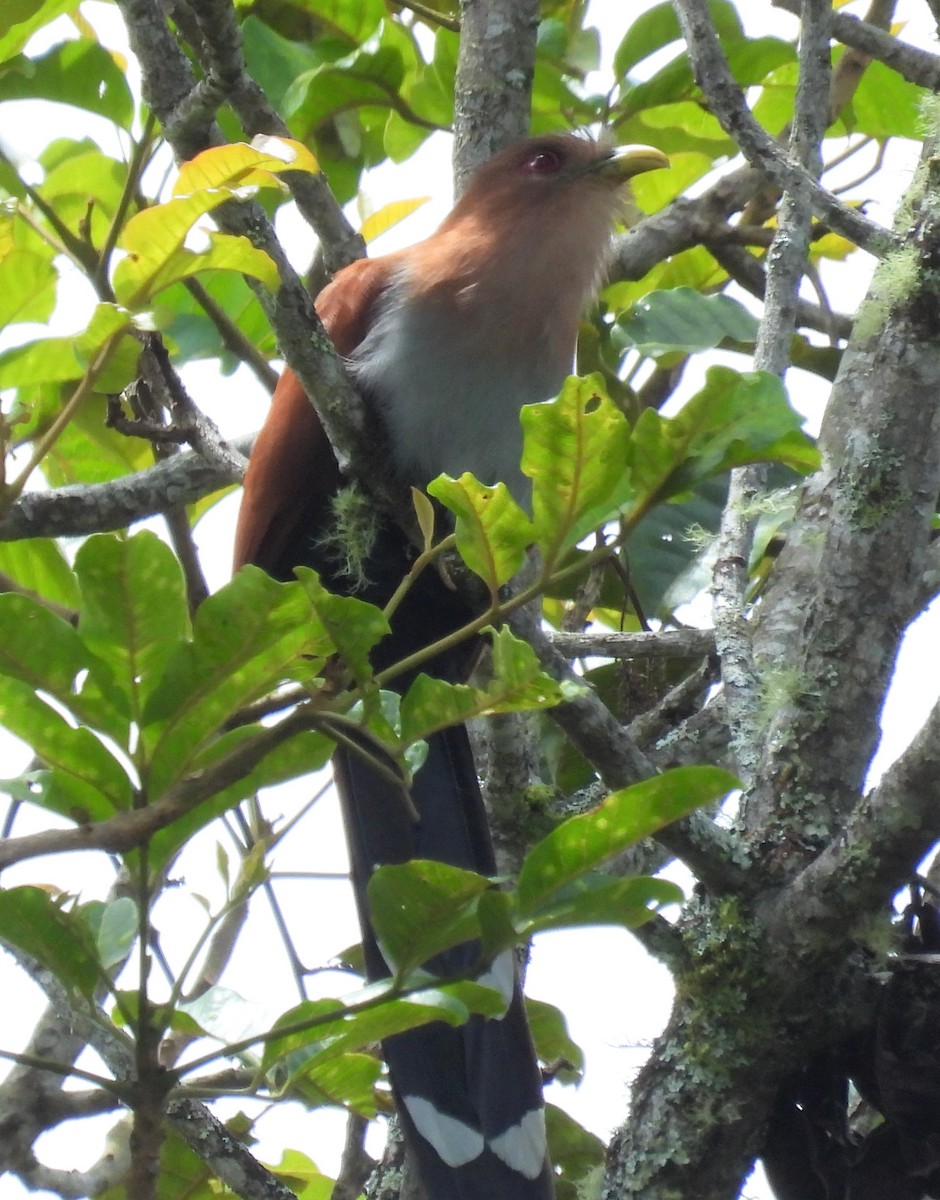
{"type": "Point", "coordinates": [471, 1097]}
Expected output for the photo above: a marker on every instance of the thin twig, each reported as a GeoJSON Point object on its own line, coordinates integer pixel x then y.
{"type": "Point", "coordinates": [127, 830]}
{"type": "Point", "coordinates": [356, 1164]}
{"type": "Point", "coordinates": [669, 643]}
{"type": "Point", "coordinates": [232, 337]}
{"type": "Point", "coordinates": [911, 63]}
{"type": "Point", "coordinates": [714, 77]}
{"type": "Point", "coordinates": [220, 51]}
{"type": "Point", "coordinates": [785, 264]}
{"type": "Point", "coordinates": [746, 270]}
{"type": "Point", "coordinates": [429, 15]}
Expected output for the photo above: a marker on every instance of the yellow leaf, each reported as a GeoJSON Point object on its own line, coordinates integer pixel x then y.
{"type": "Point", "coordinates": [389, 215]}
{"type": "Point", "coordinates": [424, 511]}
{"type": "Point", "coordinates": [832, 245]}
{"type": "Point", "coordinates": [6, 234]}
{"type": "Point", "coordinates": [107, 321]}
{"type": "Point", "coordinates": [140, 276]}
{"type": "Point", "coordinates": [240, 165]}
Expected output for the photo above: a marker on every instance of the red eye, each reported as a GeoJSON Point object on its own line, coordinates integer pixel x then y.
{"type": "Point", "coordinates": [545, 162]}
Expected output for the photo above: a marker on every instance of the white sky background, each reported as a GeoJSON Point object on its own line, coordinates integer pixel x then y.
{"type": "Point", "coordinates": [616, 1000]}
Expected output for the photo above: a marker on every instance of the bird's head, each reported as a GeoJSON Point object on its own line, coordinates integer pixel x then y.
{"type": "Point", "coordinates": [554, 176]}
{"type": "Point", "coordinates": [534, 226]}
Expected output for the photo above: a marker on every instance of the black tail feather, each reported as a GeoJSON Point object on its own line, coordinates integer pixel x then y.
{"type": "Point", "coordinates": [470, 1097]}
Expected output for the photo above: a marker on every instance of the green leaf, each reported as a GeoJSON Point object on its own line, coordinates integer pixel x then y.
{"type": "Point", "coordinates": [239, 165]}
{"type": "Point", "coordinates": [553, 1042]}
{"type": "Point", "coordinates": [582, 843]}
{"type": "Point", "coordinates": [87, 451]}
{"type": "Point", "coordinates": [694, 268]}
{"type": "Point", "coordinates": [44, 652]}
{"type": "Point", "coordinates": [337, 1029]}
{"type": "Point", "coordinates": [301, 1175]}
{"type": "Point", "coordinates": [39, 565]}
{"type": "Point", "coordinates": [39, 648]}
{"type": "Point", "coordinates": [497, 919]}
{"type": "Point", "coordinates": [884, 105]}
{"type": "Point", "coordinates": [431, 96]}
{"type": "Point", "coordinates": [735, 419]}
{"type": "Point", "coordinates": [221, 1013]}
{"type": "Point", "coordinates": [659, 26]}
{"type": "Point", "coordinates": [107, 321]}
{"type": "Point", "coordinates": [23, 17]}
{"type": "Point", "coordinates": [598, 900]}
{"type": "Point", "coordinates": [669, 540]}
{"type": "Point", "coordinates": [116, 932]}
{"type": "Point", "coordinates": [517, 683]}
{"type": "Point", "coordinates": [575, 1153]}
{"type": "Point", "coordinates": [346, 1080]}
{"type": "Point", "coordinates": [86, 783]}
{"type": "Point", "coordinates": [182, 1173]}
{"type": "Point", "coordinates": [85, 189]}
{"type": "Point", "coordinates": [352, 625]}
{"type": "Point", "coordinates": [151, 265]}
{"type": "Point", "coordinates": [402, 137]}
{"type": "Point", "coordinates": [299, 755]}
{"type": "Point", "coordinates": [492, 530]}
{"type": "Point", "coordinates": [193, 333]}
{"type": "Point", "coordinates": [134, 613]}
{"type": "Point", "coordinates": [155, 238]}
{"type": "Point", "coordinates": [575, 453]}
{"type": "Point", "coordinates": [356, 20]}
{"type": "Point", "coordinates": [247, 637]}
{"type": "Point", "coordinates": [364, 78]}
{"type": "Point", "coordinates": [751, 62]}
{"type": "Point", "coordinates": [388, 216]}
{"type": "Point", "coordinates": [420, 908]}
{"type": "Point", "coordinates": [685, 320]}
{"type": "Point", "coordinates": [79, 73]}
{"type": "Point", "coordinates": [655, 189]}
{"type": "Point", "coordinates": [774, 106]}
{"type": "Point", "coordinates": [46, 360]}
{"type": "Point", "coordinates": [274, 61]}
{"type": "Point", "coordinates": [27, 287]}
{"type": "Point", "coordinates": [33, 921]}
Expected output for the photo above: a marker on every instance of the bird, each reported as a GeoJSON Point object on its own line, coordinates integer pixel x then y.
{"type": "Point", "coordinates": [445, 341]}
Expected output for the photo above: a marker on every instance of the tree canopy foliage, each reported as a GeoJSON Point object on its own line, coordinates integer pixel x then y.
{"type": "Point", "coordinates": [615, 738]}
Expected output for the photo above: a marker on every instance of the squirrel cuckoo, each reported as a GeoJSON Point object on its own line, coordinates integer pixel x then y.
{"type": "Point", "coordinates": [445, 341]}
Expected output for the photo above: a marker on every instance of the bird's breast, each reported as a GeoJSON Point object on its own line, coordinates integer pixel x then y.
{"type": "Point", "coordinates": [449, 372]}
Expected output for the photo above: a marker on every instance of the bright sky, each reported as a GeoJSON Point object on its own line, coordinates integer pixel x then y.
{"type": "Point", "coordinates": [615, 998]}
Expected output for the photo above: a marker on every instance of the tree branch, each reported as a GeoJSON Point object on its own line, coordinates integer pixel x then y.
{"type": "Point", "coordinates": [746, 270]}
{"type": "Point", "coordinates": [232, 337]}
{"type": "Point", "coordinates": [185, 112]}
{"type": "Point", "coordinates": [225, 1155]}
{"type": "Point", "coordinates": [726, 100]}
{"type": "Point", "coordinates": [856, 554]}
{"type": "Point", "coordinates": [669, 643]}
{"type": "Point", "coordinates": [881, 843]}
{"type": "Point", "coordinates": [709, 852]}
{"type": "Point", "coordinates": [220, 52]}
{"type": "Point", "coordinates": [493, 90]}
{"type": "Point", "coordinates": [786, 261]}
{"type": "Point", "coordinates": [129, 829]}
{"type": "Point", "coordinates": [81, 509]}
{"type": "Point", "coordinates": [911, 63]}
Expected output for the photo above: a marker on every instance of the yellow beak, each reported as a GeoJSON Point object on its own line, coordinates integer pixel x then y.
{"type": "Point", "coordinates": [626, 161]}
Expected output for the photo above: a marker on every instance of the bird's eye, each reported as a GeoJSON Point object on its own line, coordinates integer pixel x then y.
{"type": "Point", "coordinates": [545, 162]}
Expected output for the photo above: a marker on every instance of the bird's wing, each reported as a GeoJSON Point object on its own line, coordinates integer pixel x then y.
{"type": "Point", "coordinates": [292, 471]}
